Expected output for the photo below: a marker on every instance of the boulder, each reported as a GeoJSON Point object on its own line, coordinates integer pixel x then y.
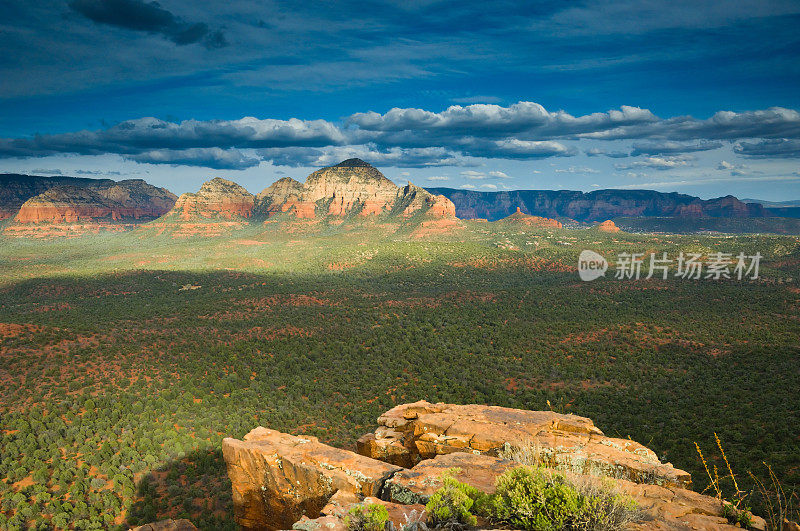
{"type": "Point", "coordinates": [278, 478]}
{"type": "Point", "coordinates": [412, 432]}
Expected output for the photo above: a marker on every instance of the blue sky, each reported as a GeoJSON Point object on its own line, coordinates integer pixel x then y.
{"type": "Point", "coordinates": [690, 96]}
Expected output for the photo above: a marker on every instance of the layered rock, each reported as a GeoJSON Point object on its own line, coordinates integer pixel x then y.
{"type": "Point", "coordinates": [278, 478]}
{"type": "Point", "coordinates": [217, 199]}
{"type": "Point", "coordinates": [534, 221]}
{"type": "Point", "coordinates": [410, 433]}
{"type": "Point", "coordinates": [594, 206]}
{"type": "Point", "coordinates": [350, 188]}
{"type": "Point", "coordinates": [608, 226]}
{"type": "Point", "coordinates": [15, 189]}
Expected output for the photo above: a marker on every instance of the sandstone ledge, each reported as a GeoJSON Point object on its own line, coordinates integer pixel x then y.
{"type": "Point", "coordinates": [411, 432]}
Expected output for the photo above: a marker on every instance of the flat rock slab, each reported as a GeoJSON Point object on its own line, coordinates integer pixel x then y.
{"type": "Point", "coordinates": [417, 484]}
{"type": "Point", "coordinates": [278, 478]}
{"type": "Point", "coordinates": [412, 432]}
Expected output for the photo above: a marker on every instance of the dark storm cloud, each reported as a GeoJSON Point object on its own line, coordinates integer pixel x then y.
{"type": "Point", "coordinates": [149, 17]}
{"type": "Point", "coordinates": [772, 148]}
{"type": "Point", "coordinates": [215, 158]}
{"type": "Point", "coordinates": [418, 138]}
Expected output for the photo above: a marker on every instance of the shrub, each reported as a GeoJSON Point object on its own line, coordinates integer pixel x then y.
{"type": "Point", "coordinates": [540, 500]}
{"type": "Point", "coordinates": [369, 517]}
{"type": "Point", "coordinates": [449, 507]}
{"type": "Point", "coordinates": [529, 498]}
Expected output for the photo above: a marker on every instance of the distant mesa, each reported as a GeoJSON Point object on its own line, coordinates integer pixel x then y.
{"type": "Point", "coordinates": [534, 221]}
{"type": "Point", "coordinates": [69, 206]}
{"type": "Point", "coordinates": [608, 226]}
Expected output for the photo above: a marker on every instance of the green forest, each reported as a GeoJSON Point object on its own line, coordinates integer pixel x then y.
{"type": "Point", "coordinates": [125, 359]}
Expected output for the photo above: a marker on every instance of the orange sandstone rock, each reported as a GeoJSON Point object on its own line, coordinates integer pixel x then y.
{"type": "Point", "coordinates": [278, 478]}
{"type": "Point", "coordinates": [608, 226]}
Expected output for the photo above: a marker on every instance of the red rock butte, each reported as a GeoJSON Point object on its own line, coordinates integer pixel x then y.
{"type": "Point", "coordinates": [608, 226]}
{"type": "Point", "coordinates": [534, 221]}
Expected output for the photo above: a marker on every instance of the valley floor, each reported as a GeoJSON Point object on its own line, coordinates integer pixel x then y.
{"type": "Point", "coordinates": [126, 358]}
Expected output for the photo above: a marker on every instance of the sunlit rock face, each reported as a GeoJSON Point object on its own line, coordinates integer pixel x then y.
{"type": "Point", "coordinates": [352, 187]}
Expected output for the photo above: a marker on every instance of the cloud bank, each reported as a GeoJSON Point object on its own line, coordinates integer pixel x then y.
{"type": "Point", "coordinates": [410, 137]}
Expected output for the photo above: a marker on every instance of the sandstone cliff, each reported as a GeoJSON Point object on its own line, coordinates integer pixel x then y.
{"type": "Point", "coordinates": [281, 481]}
{"type": "Point", "coordinates": [594, 206]}
{"type": "Point", "coordinates": [350, 188]}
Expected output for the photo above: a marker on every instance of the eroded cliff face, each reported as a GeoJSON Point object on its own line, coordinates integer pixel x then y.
{"type": "Point", "coordinates": [282, 481]}
{"type": "Point", "coordinates": [350, 188]}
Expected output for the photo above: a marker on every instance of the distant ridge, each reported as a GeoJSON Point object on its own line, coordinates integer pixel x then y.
{"type": "Point", "coordinates": [598, 205]}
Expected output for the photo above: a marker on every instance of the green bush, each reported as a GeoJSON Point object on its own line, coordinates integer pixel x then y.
{"type": "Point", "coordinates": [541, 500]}
{"type": "Point", "coordinates": [529, 498]}
{"type": "Point", "coordinates": [450, 505]}
{"type": "Point", "coordinates": [369, 517]}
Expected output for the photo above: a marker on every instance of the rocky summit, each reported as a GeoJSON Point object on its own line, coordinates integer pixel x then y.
{"type": "Point", "coordinates": [217, 199]}
{"type": "Point", "coordinates": [352, 187]}
{"type": "Point", "coordinates": [283, 481]}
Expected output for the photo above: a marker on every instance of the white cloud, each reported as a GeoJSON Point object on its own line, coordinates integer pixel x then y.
{"type": "Point", "coordinates": [577, 169]}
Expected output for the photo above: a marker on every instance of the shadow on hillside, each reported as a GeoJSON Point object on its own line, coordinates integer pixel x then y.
{"type": "Point", "coordinates": [195, 487]}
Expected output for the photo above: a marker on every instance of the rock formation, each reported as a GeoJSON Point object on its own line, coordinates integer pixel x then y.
{"type": "Point", "coordinates": [608, 226]}
{"type": "Point", "coordinates": [534, 221]}
{"type": "Point", "coordinates": [350, 188]}
{"type": "Point", "coordinates": [410, 433]}
{"type": "Point", "coordinates": [281, 481]}
{"type": "Point", "coordinates": [594, 206]}
{"type": "Point", "coordinates": [216, 199]}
